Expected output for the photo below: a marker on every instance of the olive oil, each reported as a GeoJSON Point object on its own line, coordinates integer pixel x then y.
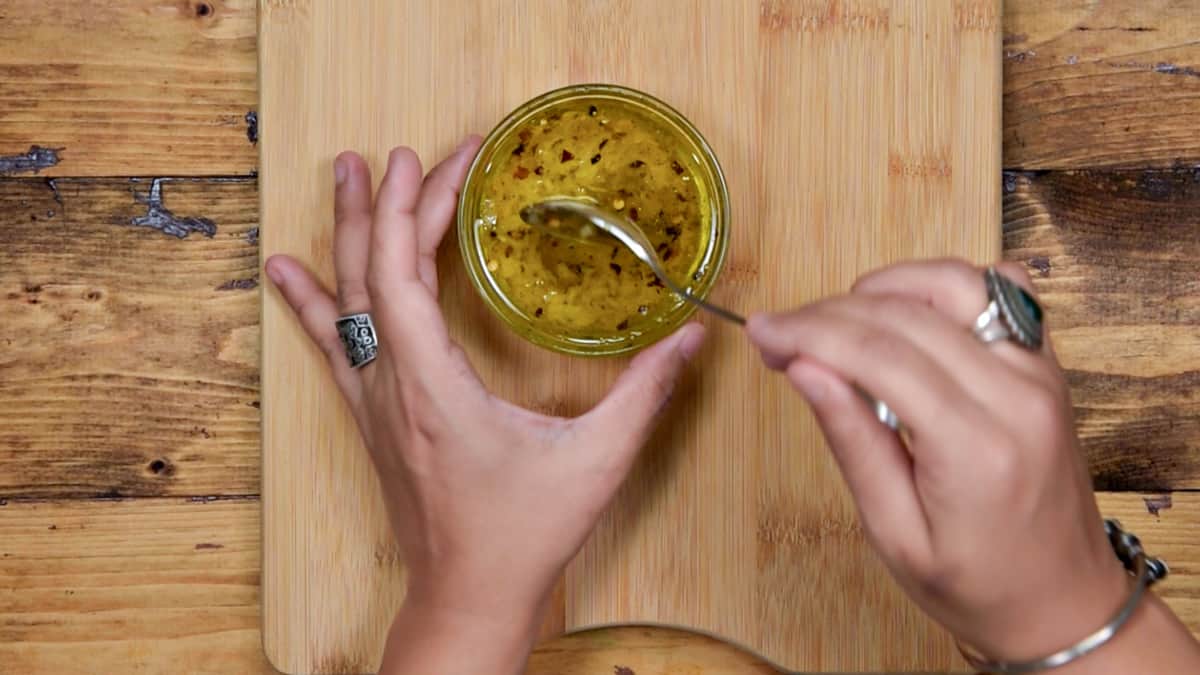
{"type": "Point", "coordinates": [616, 147]}
{"type": "Point", "coordinates": [622, 160]}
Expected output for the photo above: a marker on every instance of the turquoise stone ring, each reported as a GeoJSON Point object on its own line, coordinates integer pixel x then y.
{"type": "Point", "coordinates": [1011, 314]}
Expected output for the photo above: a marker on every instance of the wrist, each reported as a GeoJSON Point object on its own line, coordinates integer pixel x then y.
{"type": "Point", "coordinates": [468, 628]}
{"type": "Point", "coordinates": [1059, 618]}
{"type": "Point", "coordinates": [1086, 665]}
{"type": "Point", "coordinates": [487, 598]}
{"type": "Point", "coordinates": [1153, 640]}
{"type": "Point", "coordinates": [1143, 631]}
{"type": "Point", "coordinates": [433, 637]}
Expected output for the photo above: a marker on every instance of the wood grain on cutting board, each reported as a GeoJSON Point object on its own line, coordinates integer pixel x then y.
{"type": "Point", "coordinates": [852, 134]}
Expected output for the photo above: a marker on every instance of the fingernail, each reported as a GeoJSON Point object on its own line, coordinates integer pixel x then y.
{"type": "Point", "coordinates": [339, 170]}
{"type": "Point", "coordinates": [274, 273]}
{"type": "Point", "coordinates": [690, 343]}
{"type": "Point", "coordinates": [395, 154]}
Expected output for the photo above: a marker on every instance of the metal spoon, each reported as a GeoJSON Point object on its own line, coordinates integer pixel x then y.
{"type": "Point", "coordinates": [581, 221]}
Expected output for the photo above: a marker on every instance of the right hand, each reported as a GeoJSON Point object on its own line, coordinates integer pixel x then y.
{"type": "Point", "coordinates": [986, 516]}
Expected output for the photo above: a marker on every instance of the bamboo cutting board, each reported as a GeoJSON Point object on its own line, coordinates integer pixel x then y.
{"type": "Point", "coordinates": [853, 133]}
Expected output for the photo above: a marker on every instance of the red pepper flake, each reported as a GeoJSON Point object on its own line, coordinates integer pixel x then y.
{"type": "Point", "coordinates": [660, 247]}
{"type": "Point", "coordinates": [633, 214]}
{"type": "Point", "coordinates": [603, 143]}
{"type": "Point", "coordinates": [567, 156]}
{"type": "Point", "coordinates": [636, 164]}
{"type": "Point", "coordinates": [592, 110]}
{"type": "Point", "coordinates": [667, 254]}
{"type": "Point", "coordinates": [642, 309]}
{"type": "Point", "coordinates": [676, 168]}
{"type": "Point", "coordinates": [623, 325]}
{"type": "Point", "coordinates": [538, 312]}
{"type": "Point", "coordinates": [656, 282]}
{"type": "Point", "coordinates": [680, 197]}
{"type": "Point", "coordinates": [492, 234]}
{"type": "Point", "coordinates": [508, 251]}
{"type": "Point", "coordinates": [614, 253]}
{"type": "Point", "coordinates": [615, 267]}
{"type": "Point", "coordinates": [538, 170]}
{"type": "Point", "coordinates": [624, 193]}
{"type": "Point", "coordinates": [595, 158]}
{"type": "Point", "coordinates": [673, 232]}
{"type": "Point", "coordinates": [520, 173]}
{"type": "Point", "coordinates": [519, 150]}
{"type": "Point", "coordinates": [525, 135]}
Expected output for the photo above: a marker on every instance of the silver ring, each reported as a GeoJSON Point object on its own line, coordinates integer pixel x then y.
{"type": "Point", "coordinates": [357, 332]}
{"type": "Point", "coordinates": [882, 412]}
{"type": "Point", "coordinates": [1011, 313]}
{"type": "Point", "coordinates": [885, 415]}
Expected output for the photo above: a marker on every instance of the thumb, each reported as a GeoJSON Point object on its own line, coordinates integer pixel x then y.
{"type": "Point", "coordinates": [643, 390]}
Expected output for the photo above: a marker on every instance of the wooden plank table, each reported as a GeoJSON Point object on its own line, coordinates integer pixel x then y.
{"type": "Point", "coordinates": [129, 461]}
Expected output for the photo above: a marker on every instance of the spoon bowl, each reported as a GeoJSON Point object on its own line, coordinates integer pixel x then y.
{"type": "Point", "coordinates": [583, 222]}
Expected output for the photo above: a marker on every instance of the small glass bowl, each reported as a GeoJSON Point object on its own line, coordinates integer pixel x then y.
{"type": "Point", "coordinates": [672, 132]}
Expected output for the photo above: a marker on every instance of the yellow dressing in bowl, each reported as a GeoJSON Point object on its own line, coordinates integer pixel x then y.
{"type": "Point", "coordinates": [622, 150]}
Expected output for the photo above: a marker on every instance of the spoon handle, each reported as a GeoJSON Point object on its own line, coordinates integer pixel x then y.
{"type": "Point", "coordinates": [719, 311]}
{"type": "Point", "coordinates": [883, 413]}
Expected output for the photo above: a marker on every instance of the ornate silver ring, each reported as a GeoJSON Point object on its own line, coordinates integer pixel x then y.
{"type": "Point", "coordinates": [1011, 313]}
{"type": "Point", "coordinates": [357, 332]}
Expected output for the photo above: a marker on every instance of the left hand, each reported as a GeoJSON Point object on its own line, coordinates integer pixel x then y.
{"type": "Point", "coordinates": [488, 501]}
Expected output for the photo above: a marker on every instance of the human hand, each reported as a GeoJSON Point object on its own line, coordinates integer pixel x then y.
{"type": "Point", "coordinates": [488, 501]}
{"type": "Point", "coordinates": [986, 516]}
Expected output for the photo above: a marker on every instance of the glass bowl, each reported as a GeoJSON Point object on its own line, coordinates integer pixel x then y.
{"type": "Point", "coordinates": [626, 151]}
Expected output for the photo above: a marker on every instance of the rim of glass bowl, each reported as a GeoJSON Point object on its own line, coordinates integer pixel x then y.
{"type": "Point", "coordinates": [718, 241]}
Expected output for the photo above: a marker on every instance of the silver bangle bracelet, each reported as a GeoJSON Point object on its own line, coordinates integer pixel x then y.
{"type": "Point", "coordinates": [1145, 568]}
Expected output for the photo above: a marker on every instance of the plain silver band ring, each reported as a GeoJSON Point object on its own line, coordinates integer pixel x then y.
{"type": "Point", "coordinates": [357, 333]}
